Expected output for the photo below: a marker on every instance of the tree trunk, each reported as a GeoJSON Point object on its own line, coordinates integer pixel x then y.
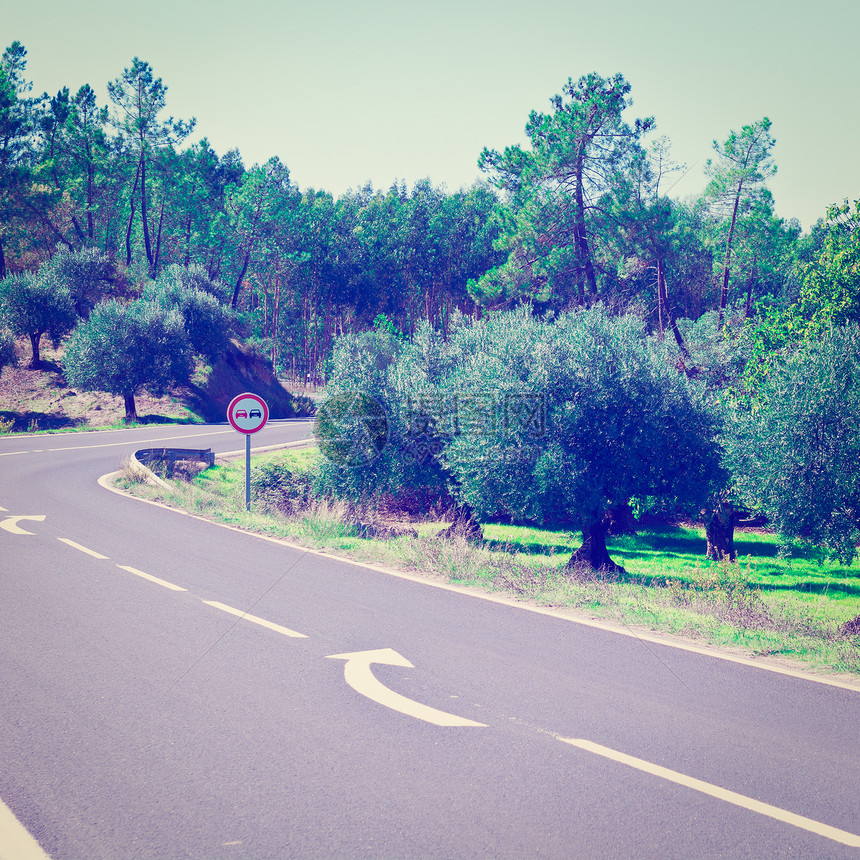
{"type": "Point", "coordinates": [593, 554]}
{"type": "Point", "coordinates": [188, 243]}
{"type": "Point", "coordinates": [78, 230]}
{"type": "Point", "coordinates": [131, 217]}
{"type": "Point", "coordinates": [720, 531]}
{"type": "Point", "coordinates": [36, 359]}
{"type": "Point", "coordinates": [685, 362]}
{"type": "Point", "coordinates": [154, 271]}
{"type": "Point", "coordinates": [239, 280]}
{"type": "Point", "coordinates": [620, 520]}
{"type": "Point", "coordinates": [670, 317]}
{"type": "Point", "coordinates": [464, 525]}
{"type": "Point", "coordinates": [90, 182]}
{"type": "Point", "coordinates": [750, 282]}
{"type": "Point", "coordinates": [130, 409]}
{"type": "Point", "coordinates": [724, 292]}
{"type": "Point", "coordinates": [582, 249]}
{"type": "Point", "coordinates": [144, 217]}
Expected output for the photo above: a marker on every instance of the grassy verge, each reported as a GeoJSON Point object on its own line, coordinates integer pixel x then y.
{"type": "Point", "coordinates": [766, 605]}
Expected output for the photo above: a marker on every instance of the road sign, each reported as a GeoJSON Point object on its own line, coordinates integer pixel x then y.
{"type": "Point", "coordinates": [247, 413]}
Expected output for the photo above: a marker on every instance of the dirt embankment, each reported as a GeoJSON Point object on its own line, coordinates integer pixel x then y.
{"type": "Point", "coordinates": [42, 399]}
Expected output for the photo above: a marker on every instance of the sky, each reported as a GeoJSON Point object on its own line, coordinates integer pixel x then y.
{"type": "Point", "coordinates": [382, 91]}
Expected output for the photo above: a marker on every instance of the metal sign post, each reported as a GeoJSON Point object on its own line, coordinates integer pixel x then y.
{"type": "Point", "coordinates": [247, 413]}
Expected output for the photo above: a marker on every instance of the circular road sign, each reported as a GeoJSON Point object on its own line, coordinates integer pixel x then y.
{"type": "Point", "coordinates": [247, 413]}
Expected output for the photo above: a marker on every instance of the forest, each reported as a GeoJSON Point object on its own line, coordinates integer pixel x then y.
{"type": "Point", "coordinates": [699, 353]}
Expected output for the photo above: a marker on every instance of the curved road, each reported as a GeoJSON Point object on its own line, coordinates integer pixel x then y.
{"type": "Point", "coordinates": [174, 689]}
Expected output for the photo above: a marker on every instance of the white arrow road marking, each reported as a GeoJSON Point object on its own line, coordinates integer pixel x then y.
{"type": "Point", "coordinates": [742, 800]}
{"type": "Point", "coordinates": [357, 674]}
{"type": "Point", "coordinates": [11, 524]}
{"type": "Point", "coordinates": [261, 621]}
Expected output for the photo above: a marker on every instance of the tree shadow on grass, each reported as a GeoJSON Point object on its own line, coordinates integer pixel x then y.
{"type": "Point", "coordinates": [32, 422]}
{"type": "Point", "coordinates": [28, 422]}
{"type": "Point", "coordinates": [663, 542]}
{"type": "Point", "coordinates": [529, 548]}
{"type": "Point", "coordinates": [162, 419]}
{"type": "Point", "coordinates": [811, 587]}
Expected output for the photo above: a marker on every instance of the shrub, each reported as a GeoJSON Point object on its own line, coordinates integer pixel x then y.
{"type": "Point", "coordinates": [275, 488]}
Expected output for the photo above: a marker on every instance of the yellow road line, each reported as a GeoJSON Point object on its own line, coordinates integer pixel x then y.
{"type": "Point", "coordinates": [261, 621]}
{"type": "Point", "coordinates": [834, 833]}
{"type": "Point", "coordinates": [91, 552]}
{"type": "Point", "coordinates": [152, 578]}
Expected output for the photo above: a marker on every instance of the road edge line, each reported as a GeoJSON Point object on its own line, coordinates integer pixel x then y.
{"type": "Point", "coordinates": [508, 601]}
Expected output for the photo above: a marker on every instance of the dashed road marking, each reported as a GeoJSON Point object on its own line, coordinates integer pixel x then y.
{"type": "Point", "coordinates": [255, 620]}
{"type": "Point", "coordinates": [74, 545]}
{"type": "Point", "coordinates": [151, 578]}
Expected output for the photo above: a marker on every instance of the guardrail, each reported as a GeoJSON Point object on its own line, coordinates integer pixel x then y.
{"type": "Point", "coordinates": [145, 457]}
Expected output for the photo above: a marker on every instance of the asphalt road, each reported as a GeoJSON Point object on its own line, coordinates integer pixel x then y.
{"type": "Point", "coordinates": [174, 689]}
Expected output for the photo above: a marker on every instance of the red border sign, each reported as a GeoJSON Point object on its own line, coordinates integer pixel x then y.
{"type": "Point", "coordinates": [247, 413]}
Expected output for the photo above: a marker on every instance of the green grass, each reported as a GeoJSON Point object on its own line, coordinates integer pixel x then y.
{"type": "Point", "coordinates": [765, 604]}
{"type": "Point", "coordinates": [35, 427]}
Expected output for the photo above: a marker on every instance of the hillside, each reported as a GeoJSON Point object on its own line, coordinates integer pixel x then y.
{"type": "Point", "coordinates": [33, 400]}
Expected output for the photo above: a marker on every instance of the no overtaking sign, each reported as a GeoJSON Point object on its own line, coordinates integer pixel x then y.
{"type": "Point", "coordinates": [247, 413]}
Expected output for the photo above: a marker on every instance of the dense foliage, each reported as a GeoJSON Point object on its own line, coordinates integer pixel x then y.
{"type": "Point", "coordinates": [550, 421]}
{"type": "Point", "coordinates": [579, 215]}
{"type": "Point", "coordinates": [125, 348]}
{"type": "Point", "coordinates": [37, 304]}
{"type": "Point", "coordinates": [794, 451]}
{"type": "Point", "coordinates": [207, 323]}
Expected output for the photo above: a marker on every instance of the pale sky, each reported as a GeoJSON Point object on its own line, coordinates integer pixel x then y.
{"type": "Point", "coordinates": [346, 92]}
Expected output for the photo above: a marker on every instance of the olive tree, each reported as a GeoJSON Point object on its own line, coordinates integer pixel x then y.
{"type": "Point", "coordinates": [86, 274]}
{"type": "Point", "coordinates": [520, 418]}
{"type": "Point", "coordinates": [127, 348]}
{"type": "Point", "coordinates": [207, 322]}
{"type": "Point", "coordinates": [373, 425]}
{"type": "Point", "coordinates": [36, 305]}
{"type": "Point", "coordinates": [560, 421]}
{"type": "Point", "coordinates": [793, 450]}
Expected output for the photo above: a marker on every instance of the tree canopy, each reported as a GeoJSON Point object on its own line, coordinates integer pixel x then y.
{"type": "Point", "coordinates": [35, 305]}
{"type": "Point", "coordinates": [126, 348]}
{"type": "Point", "coordinates": [793, 452]}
